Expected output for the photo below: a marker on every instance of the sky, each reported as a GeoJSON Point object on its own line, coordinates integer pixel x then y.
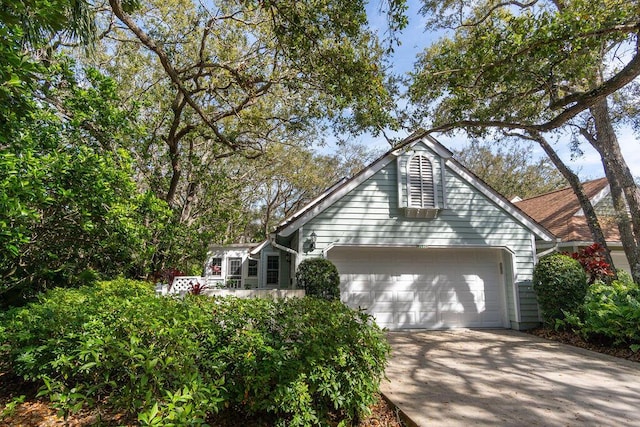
{"type": "Point", "coordinates": [413, 41]}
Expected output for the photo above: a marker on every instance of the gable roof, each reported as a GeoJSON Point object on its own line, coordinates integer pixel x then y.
{"type": "Point", "coordinates": [315, 207]}
{"type": "Point", "coordinates": [560, 212]}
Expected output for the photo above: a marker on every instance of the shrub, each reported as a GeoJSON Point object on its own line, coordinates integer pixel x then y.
{"type": "Point", "coordinates": [301, 358]}
{"type": "Point", "coordinates": [119, 343]}
{"type": "Point", "coordinates": [592, 259]}
{"type": "Point", "coordinates": [560, 284]}
{"type": "Point", "coordinates": [319, 278]}
{"type": "Point", "coordinates": [180, 361]}
{"type": "Point", "coordinates": [610, 314]}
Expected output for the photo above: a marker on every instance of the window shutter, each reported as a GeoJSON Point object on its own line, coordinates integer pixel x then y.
{"type": "Point", "coordinates": [421, 188]}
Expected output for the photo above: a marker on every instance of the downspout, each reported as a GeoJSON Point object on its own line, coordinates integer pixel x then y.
{"type": "Point", "coordinates": [273, 243]}
{"type": "Point", "coordinates": [548, 251]}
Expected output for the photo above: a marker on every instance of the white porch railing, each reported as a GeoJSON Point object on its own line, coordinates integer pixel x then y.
{"type": "Point", "coordinates": [214, 286]}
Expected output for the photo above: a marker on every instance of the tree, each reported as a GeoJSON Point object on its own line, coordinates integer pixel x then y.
{"type": "Point", "coordinates": [224, 83]}
{"type": "Point", "coordinates": [70, 210]}
{"type": "Point", "coordinates": [287, 177]}
{"type": "Point", "coordinates": [510, 169]}
{"type": "Point", "coordinates": [534, 68]}
{"type": "Point", "coordinates": [26, 32]}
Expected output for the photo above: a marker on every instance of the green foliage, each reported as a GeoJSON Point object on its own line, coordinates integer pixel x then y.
{"type": "Point", "coordinates": [10, 407]}
{"type": "Point", "coordinates": [301, 358]}
{"type": "Point", "coordinates": [510, 168]}
{"type": "Point", "coordinates": [560, 284]}
{"type": "Point", "coordinates": [70, 211]}
{"type": "Point", "coordinates": [319, 278]}
{"type": "Point", "coordinates": [28, 26]}
{"type": "Point", "coordinates": [517, 64]}
{"type": "Point", "coordinates": [180, 361]}
{"type": "Point", "coordinates": [610, 314]}
{"type": "Point", "coordinates": [117, 341]}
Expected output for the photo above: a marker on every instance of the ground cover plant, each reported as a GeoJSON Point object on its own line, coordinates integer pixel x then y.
{"type": "Point", "coordinates": [588, 304]}
{"type": "Point", "coordinates": [169, 361]}
{"type": "Point", "coordinates": [610, 314]}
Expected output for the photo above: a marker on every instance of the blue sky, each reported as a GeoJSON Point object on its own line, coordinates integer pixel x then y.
{"type": "Point", "coordinates": [414, 39]}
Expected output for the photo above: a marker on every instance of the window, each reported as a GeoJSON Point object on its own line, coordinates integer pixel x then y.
{"type": "Point", "coordinates": [215, 267]}
{"type": "Point", "coordinates": [273, 270]}
{"type": "Point", "coordinates": [252, 268]}
{"type": "Point", "coordinates": [421, 191]}
{"type": "Point", "coordinates": [235, 268]}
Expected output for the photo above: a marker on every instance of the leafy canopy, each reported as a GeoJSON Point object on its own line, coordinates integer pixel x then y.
{"type": "Point", "coordinates": [529, 66]}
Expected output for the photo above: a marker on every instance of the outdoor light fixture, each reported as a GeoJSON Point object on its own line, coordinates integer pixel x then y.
{"type": "Point", "coordinates": [312, 242]}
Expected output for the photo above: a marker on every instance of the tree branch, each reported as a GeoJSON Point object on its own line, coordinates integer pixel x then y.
{"type": "Point", "coordinates": [619, 80]}
{"type": "Point", "coordinates": [116, 6]}
{"type": "Point", "coordinates": [498, 6]}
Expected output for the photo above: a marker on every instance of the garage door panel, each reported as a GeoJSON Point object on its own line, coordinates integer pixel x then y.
{"type": "Point", "coordinates": [491, 294]}
{"type": "Point", "coordinates": [385, 319]}
{"type": "Point", "coordinates": [428, 318]}
{"type": "Point", "coordinates": [383, 296]}
{"type": "Point", "coordinates": [408, 296]}
{"type": "Point", "coordinates": [358, 299]}
{"type": "Point", "coordinates": [451, 307]}
{"type": "Point", "coordinates": [434, 288]}
{"type": "Point", "coordinates": [382, 306]}
{"type": "Point", "coordinates": [405, 319]}
{"type": "Point", "coordinates": [491, 316]}
{"type": "Point", "coordinates": [357, 282]}
{"type": "Point", "coordinates": [461, 319]}
{"type": "Point", "coordinates": [428, 296]}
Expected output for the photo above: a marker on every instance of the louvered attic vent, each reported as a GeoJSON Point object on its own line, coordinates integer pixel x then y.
{"type": "Point", "coordinates": [421, 190]}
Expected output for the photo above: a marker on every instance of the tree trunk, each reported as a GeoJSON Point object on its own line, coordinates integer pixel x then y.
{"type": "Point", "coordinates": [578, 190]}
{"type": "Point", "coordinates": [190, 201]}
{"type": "Point", "coordinates": [621, 184]}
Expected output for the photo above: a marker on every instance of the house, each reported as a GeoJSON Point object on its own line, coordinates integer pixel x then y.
{"type": "Point", "coordinates": [560, 213]}
{"type": "Point", "coordinates": [418, 240]}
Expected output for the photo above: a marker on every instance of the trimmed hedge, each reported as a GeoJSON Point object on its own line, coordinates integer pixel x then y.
{"type": "Point", "coordinates": [319, 278]}
{"type": "Point", "coordinates": [560, 284]}
{"type": "Point", "coordinates": [180, 361]}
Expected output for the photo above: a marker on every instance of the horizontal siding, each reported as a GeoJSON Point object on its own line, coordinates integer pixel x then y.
{"type": "Point", "coordinates": [370, 215]}
{"type": "Point", "coordinates": [528, 302]}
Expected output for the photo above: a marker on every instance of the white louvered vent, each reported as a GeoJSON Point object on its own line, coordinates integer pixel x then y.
{"type": "Point", "coordinates": [420, 180]}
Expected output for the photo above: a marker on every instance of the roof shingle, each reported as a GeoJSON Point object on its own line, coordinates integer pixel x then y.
{"type": "Point", "coordinates": [556, 211]}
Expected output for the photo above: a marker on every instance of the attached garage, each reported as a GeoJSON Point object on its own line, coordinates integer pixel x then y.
{"type": "Point", "coordinates": [420, 242]}
{"type": "Point", "coordinates": [413, 287]}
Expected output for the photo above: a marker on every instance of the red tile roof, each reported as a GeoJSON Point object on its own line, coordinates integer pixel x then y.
{"type": "Point", "coordinates": [556, 211]}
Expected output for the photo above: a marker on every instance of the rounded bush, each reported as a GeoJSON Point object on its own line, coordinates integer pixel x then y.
{"type": "Point", "coordinates": [297, 361]}
{"type": "Point", "coordinates": [319, 278]}
{"type": "Point", "coordinates": [560, 284]}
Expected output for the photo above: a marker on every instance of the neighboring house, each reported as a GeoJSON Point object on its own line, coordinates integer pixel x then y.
{"type": "Point", "coordinates": [560, 213]}
{"type": "Point", "coordinates": [230, 266]}
{"type": "Point", "coordinates": [418, 240]}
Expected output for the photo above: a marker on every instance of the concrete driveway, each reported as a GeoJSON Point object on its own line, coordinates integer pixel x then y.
{"type": "Point", "coordinates": [502, 377]}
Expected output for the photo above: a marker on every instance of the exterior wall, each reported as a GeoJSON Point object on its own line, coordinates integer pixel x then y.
{"type": "Point", "coordinates": [370, 215]}
{"type": "Point", "coordinates": [225, 253]}
{"type": "Point", "coordinates": [604, 207]}
{"type": "Point", "coordinates": [620, 260]}
{"type": "Point", "coordinates": [285, 267]}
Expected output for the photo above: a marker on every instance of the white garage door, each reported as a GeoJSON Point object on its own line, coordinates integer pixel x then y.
{"type": "Point", "coordinates": [423, 288]}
